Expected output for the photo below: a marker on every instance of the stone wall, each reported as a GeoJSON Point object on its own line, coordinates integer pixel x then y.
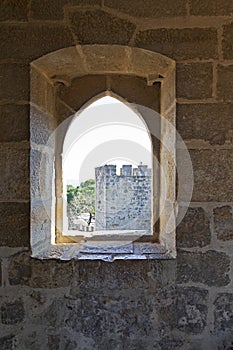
{"type": "Point", "coordinates": [181, 304]}
{"type": "Point", "coordinates": [123, 202]}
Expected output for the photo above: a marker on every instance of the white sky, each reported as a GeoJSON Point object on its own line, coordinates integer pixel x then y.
{"type": "Point", "coordinates": [106, 132]}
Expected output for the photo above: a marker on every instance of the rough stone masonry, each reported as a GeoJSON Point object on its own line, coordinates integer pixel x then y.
{"type": "Point", "coordinates": [123, 202]}
{"type": "Point", "coordinates": [181, 304]}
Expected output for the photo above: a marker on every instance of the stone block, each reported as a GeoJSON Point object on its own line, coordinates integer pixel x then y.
{"type": "Point", "coordinates": [103, 322]}
{"type": "Point", "coordinates": [194, 80]}
{"type": "Point", "coordinates": [15, 80]}
{"type": "Point", "coordinates": [14, 224]}
{"type": "Point", "coordinates": [41, 166]}
{"type": "Point", "coordinates": [210, 122]}
{"type": "Point", "coordinates": [110, 59]}
{"type": "Point", "coordinates": [6, 343]}
{"type": "Point", "coordinates": [157, 276]}
{"type": "Point", "coordinates": [136, 90]}
{"type": "Point", "coordinates": [12, 312]}
{"type": "Point", "coordinates": [99, 27]}
{"type": "Point", "coordinates": [149, 8]}
{"type": "Point", "coordinates": [82, 90]}
{"type": "Point", "coordinates": [180, 44]}
{"type": "Point", "coordinates": [20, 269]}
{"type": "Point", "coordinates": [188, 312]}
{"type": "Point", "coordinates": [14, 170]}
{"type": "Point", "coordinates": [212, 175]}
{"type": "Point", "coordinates": [24, 270]}
{"type": "Point", "coordinates": [42, 126]}
{"type": "Point", "coordinates": [14, 122]}
{"type": "Point", "coordinates": [210, 268]}
{"type": "Point", "coordinates": [223, 313]}
{"type": "Point", "coordinates": [225, 82]}
{"type": "Point", "coordinates": [227, 44]}
{"type": "Point", "coordinates": [117, 273]}
{"type": "Point", "coordinates": [211, 8]}
{"type": "Point", "coordinates": [40, 222]}
{"type": "Point", "coordinates": [37, 40]}
{"type": "Point", "coordinates": [223, 223]}
{"type": "Point", "coordinates": [48, 10]}
{"type": "Point", "coordinates": [194, 229]}
{"type": "Point", "coordinates": [14, 10]}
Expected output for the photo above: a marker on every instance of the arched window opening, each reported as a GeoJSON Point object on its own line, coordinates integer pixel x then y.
{"type": "Point", "coordinates": [107, 172]}
{"type": "Point", "coordinates": [65, 86]}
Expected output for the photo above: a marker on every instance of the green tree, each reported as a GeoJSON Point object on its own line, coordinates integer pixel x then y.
{"type": "Point", "coordinates": [82, 199]}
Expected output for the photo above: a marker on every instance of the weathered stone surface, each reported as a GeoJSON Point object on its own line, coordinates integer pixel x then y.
{"type": "Point", "coordinates": [124, 201]}
{"type": "Point", "coordinates": [53, 10]}
{"type": "Point", "coordinates": [15, 79]}
{"type": "Point", "coordinates": [212, 167]}
{"type": "Point", "coordinates": [188, 313]}
{"type": "Point", "coordinates": [82, 90]}
{"type": "Point", "coordinates": [14, 10]}
{"type": "Point", "coordinates": [180, 44]}
{"type": "Point", "coordinates": [40, 222]}
{"type": "Point", "coordinates": [52, 315]}
{"type": "Point", "coordinates": [6, 343]}
{"type": "Point", "coordinates": [14, 224]}
{"type": "Point", "coordinates": [14, 170]}
{"type": "Point", "coordinates": [191, 310]}
{"type": "Point", "coordinates": [104, 321]}
{"type": "Point", "coordinates": [159, 274]}
{"type": "Point", "coordinates": [13, 312]}
{"type": "Point", "coordinates": [211, 7]}
{"type": "Point", "coordinates": [20, 269]}
{"type": "Point", "coordinates": [14, 122]}
{"type": "Point", "coordinates": [211, 122]}
{"type": "Point", "coordinates": [210, 268]}
{"type": "Point", "coordinates": [223, 312]}
{"type": "Point", "coordinates": [99, 27]}
{"type": "Point", "coordinates": [53, 342]}
{"type": "Point", "coordinates": [42, 126]}
{"type": "Point", "coordinates": [171, 341]}
{"type": "Point", "coordinates": [36, 39]}
{"type": "Point", "coordinates": [136, 90]}
{"type": "Point", "coordinates": [35, 164]}
{"type": "Point", "coordinates": [194, 80]}
{"type": "Point", "coordinates": [227, 44]}
{"type": "Point", "coordinates": [225, 82]}
{"type": "Point", "coordinates": [223, 223]}
{"type": "Point", "coordinates": [105, 58]}
{"type": "Point", "coordinates": [41, 165]}
{"type": "Point", "coordinates": [149, 8]}
{"type": "Point", "coordinates": [194, 229]}
{"type": "Point", "coordinates": [39, 274]}
{"type": "Point", "coordinates": [85, 2]}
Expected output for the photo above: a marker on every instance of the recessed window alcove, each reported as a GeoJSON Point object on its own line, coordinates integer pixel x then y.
{"type": "Point", "coordinates": [107, 173]}
{"type": "Point", "coordinates": [64, 86]}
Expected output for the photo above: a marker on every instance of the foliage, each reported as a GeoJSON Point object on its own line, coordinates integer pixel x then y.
{"type": "Point", "coordinates": [81, 199]}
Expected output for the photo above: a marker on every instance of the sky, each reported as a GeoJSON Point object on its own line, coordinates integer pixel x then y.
{"type": "Point", "coordinates": [106, 132]}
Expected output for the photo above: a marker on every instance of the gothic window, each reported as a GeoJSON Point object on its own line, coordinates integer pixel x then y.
{"type": "Point", "coordinates": [109, 185]}
{"type": "Point", "coordinates": [117, 224]}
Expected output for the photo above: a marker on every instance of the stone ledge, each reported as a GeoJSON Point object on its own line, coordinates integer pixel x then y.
{"type": "Point", "coordinates": [134, 251]}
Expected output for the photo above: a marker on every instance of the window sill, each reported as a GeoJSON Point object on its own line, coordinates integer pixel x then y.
{"type": "Point", "coordinates": [106, 251]}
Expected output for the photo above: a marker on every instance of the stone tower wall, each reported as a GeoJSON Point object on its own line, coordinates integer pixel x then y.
{"type": "Point", "coordinates": [123, 202]}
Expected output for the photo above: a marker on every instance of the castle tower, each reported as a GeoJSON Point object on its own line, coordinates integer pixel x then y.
{"type": "Point", "coordinates": [123, 202]}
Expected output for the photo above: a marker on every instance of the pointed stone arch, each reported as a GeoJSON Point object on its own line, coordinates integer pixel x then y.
{"type": "Point", "coordinates": [62, 82]}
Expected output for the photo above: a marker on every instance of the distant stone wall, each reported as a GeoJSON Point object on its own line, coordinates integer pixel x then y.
{"type": "Point", "coordinates": [123, 201]}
